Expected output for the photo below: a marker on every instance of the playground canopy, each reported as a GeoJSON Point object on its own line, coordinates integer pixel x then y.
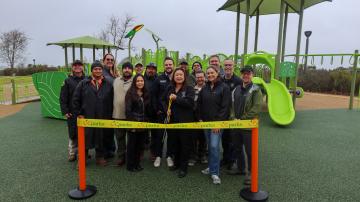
{"type": "Point", "coordinates": [267, 7]}
{"type": "Point", "coordinates": [83, 42]}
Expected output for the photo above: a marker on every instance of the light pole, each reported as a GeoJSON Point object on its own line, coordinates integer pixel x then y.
{"type": "Point", "coordinates": [34, 62]}
{"type": "Point", "coordinates": [307, 34]}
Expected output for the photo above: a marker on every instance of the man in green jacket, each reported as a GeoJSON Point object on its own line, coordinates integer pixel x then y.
{"type": "Point", "coordinates": [246, 104]}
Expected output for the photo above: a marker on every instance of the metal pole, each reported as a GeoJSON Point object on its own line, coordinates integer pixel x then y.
{"type": "Point", "coordinates": [237, 36]}
{"type": "Point", "coordinates": [306, 53]}
{"type": "Point", "coordinates": [66, 57]}
{"type": "Point", "coordinates": [108, 49]}
{"type": "Point", "coordinates": [284, 33]}
{"type": "Point", "coordinates": [353, 82]}
{"type": "Point", "coordinates": [94, 53]}
{"type": "Point", "coordinates": [81, 53]}
{"type": "Point", "coordinates": [301, 15]}
{"type": "Point", "coordinates": [130, 48]}
{"type": "Point", "coordinates": [280, 37]}
{"type": "Point", "coordinates": [257, 30]}
{"type": "Point", "coordinates": [104, 51]}
{"type": "Point", "coordinates": [73, 52]}
{"type": "Point", "coordinates": [247, 26]}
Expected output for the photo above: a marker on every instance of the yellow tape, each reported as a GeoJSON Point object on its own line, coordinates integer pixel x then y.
{"type": "Point", "coordinates": [100, 123]}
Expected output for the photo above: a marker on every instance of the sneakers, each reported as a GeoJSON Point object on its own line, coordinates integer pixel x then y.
{"type": "Point", "coordinates": [101, 162]}
{"type": "Point", "coordinates": [206, 171]}
{"type": "Point", "coordinates": [203, 160]}
{"type": "Point", "coordinates": [72, 157]}
{"type": "Point", "coordinates": [247, 180]}
{"type": "Point", "coordinates": [191, 162]}
{"type": "Point", "coordinates": [170, 162]}
{"type": "Point", "coordinates": [215, 179]}
{"type": "Point", "coordinates": [157, 162]}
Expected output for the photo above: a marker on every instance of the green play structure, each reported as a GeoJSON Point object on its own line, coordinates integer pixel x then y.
{"type": "Point", "coordinates": [48, 85]}
{"type": "Point", "coordinates": [280, 105]}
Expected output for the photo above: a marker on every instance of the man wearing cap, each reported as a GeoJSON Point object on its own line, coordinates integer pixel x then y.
{"type": "Point", "coordinates": [93, 99]}
{"type": "Point", "coordinates": [246, 104]}
{"type": "Point", "coordinates": [139, 68]}
{"type": "Point", "coordinates": [150, 78]}
{"type": "Point", "coordinates": [231, 80]}
{"type": "Point", "coordinates": [121, 86]}
{"type": "Point", "coordinates": [66, 94]}
{"type": "Point", "coordinates": [190, 81]}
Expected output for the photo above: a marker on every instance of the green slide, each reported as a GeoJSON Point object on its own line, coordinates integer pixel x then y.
{"type": "Point", "coordinates": [280, 103]}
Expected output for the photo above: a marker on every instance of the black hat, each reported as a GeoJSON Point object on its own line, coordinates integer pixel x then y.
{"type": "Point", "coordinates": [151, 64]}
{"type": "Point", "coordinates": [247, 68]}
{"type": "Point", "coordinates": [77, 62]}
{"type": "Point", "coordinates": [183, 62]}
{"type": "Point", "coordinates": [96, 63]}
{"type": "Point", "coordinates": [127, 64]}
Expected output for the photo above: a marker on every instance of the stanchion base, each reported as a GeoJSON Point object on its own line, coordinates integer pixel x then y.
{"type": "Point", "coordinates": [77, 194]}
{"type": "Point", "coordinates": [254, 196]}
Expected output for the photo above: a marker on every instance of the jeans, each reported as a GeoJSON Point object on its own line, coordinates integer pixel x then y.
{"type": "Point", "coordinates": [213, 141]}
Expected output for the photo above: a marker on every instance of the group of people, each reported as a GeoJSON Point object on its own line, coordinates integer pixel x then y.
{"type": "Point", "coordinates": [178, 95]}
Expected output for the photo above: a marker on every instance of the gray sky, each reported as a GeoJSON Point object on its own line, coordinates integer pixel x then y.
{"type": "Point", "coordinates": [191, 26]}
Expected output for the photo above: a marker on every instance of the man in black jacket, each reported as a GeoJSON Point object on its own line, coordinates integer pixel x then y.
{"type": "Point", "coordinates": [231, 80]}
{"type": "Point", "coordinates": [246, 104]}
{"type": "Point", "coordinates": [93, 99]}
{"type": "Point", "coordinates": [150, 78]}
{"type": "Point", "coordinates": [160, 85]}
{"type": "Point", "coordinates": [66, 94]}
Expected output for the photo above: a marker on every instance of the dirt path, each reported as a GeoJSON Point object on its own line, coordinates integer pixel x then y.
{"type": "Point", "coordinates": [6, 110]}
{"type": "Point", "coordinates": [323, 101]}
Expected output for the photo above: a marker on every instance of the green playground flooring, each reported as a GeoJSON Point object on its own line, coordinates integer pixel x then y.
{"type": "Point", "coordinates": [317, 158]}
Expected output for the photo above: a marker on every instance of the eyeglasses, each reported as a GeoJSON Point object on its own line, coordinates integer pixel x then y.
{"type": "Point", "coordinates": [109, 59]}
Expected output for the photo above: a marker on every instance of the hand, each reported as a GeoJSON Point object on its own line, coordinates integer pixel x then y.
{"type": "Point", "coordinates": [68, 115]}
{"type": "Point", "coordinates": [81, 116]}
{"type": "Point", "coordinates": [172, 97]}
{"type": "Point", "coordinates": [216, 130]}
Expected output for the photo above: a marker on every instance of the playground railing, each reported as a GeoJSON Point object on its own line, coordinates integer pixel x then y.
{"type": "Point", "coordinates": [17, 89]}
{"type": "Point", "coordinates": [251, 193]}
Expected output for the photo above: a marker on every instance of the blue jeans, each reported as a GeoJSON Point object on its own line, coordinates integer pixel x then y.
{"type": "Point", "coordinates": [213, 141]}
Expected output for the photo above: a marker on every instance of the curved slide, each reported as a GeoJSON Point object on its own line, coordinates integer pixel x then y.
{"type": "Point", "coordinates": [280, 103]}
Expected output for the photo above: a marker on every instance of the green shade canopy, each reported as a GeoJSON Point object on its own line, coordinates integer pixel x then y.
{"type": "Point", "coordinates": [85, 41]}
{"type": "Point", "coordinates": [267, 7]}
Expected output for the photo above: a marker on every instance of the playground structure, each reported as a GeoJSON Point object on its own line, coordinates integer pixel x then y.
{"type": "Point", "coordinates": [278, 91]}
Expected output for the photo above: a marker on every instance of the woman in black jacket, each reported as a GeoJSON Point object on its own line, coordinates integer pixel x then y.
{"type": "Point", "coordinates": [181, 97]}
{"type": "Point", "coordinates": [137, 102]}
{"type": "Point", "coordinates": [213, 104]}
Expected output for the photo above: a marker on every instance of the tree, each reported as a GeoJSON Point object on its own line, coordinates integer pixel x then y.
{"type": "Point", "coordinates": [116, 30]}
{"type": "Point", "coordinates": [13, 46]}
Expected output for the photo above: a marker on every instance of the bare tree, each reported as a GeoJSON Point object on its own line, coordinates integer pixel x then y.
{"type": "Point", "coordinates": [116, 30]}
{"type": "Point", "coordinates": [12, 46]}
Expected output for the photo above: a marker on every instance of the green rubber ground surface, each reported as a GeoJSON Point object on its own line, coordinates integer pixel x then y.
{"type": "Point", "coordinates": [317, 158]}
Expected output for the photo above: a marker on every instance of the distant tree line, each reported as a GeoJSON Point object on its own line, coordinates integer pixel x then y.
{"type": "Point", "coordinates": [335, 81]}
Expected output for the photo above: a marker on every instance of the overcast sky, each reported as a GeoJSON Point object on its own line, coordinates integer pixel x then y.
{"type": "Point", "coordinates": [186, 25]}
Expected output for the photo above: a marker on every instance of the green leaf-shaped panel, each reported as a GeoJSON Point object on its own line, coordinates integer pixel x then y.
{"type": "Point", "coordinates": [48, 85]}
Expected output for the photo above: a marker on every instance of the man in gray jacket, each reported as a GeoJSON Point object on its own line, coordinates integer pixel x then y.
{"type": "Point", "coordinates": [121, 86]}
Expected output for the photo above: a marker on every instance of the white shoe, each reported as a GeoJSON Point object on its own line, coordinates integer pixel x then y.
{"type": "Point", "coordinates": [170, 162]}
{"type": "Point", "coordinates": [206, 171]}
{"type": "Point", "coordinates": [216, 179]}
{"type": "Point", "coordinates": [157, 162]}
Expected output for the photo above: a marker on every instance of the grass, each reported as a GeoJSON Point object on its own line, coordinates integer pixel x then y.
{"type": "Point", "coordinates": [314, 159]}
{"type": "Point", "coordinates": [23, 84]}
